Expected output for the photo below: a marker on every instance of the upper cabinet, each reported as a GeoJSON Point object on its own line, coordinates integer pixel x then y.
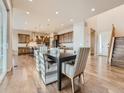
{"type": "Point", "coordinates": [66, 37]}
{"type": "Point", "coordinates": [23, 38]}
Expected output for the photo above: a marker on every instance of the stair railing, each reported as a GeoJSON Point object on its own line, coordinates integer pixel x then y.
{"type": "Point", "coordinates": [111, 43]}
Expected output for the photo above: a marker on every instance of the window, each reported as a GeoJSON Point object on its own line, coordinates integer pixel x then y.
{"type": "Point", "coordinates": [3, 40]}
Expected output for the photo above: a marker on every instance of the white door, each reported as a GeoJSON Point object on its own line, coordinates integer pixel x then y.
{"type": "Point", "coordinates": [3, 40]}
{"type": "Point", "coordinates": [104, 39]}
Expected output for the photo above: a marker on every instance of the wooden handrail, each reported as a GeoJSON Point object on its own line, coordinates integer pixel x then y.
{"type": "Point", "coordinates": [110, 49]}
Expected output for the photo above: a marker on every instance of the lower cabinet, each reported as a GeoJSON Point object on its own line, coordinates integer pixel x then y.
{"type": "Point", "coordinates": [24, 50]}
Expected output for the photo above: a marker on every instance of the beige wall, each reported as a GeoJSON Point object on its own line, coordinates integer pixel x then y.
{"type": "Point", "coordinates": [114, 16]}
{"type": "Point", "coordinates": [103, 22]}
{"type": "Point", "coordinates": [79, 33]}
{"type": "Point", "coordinates": [91, 23]}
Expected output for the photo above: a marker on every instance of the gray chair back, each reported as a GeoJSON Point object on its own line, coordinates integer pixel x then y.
{"type": "Point", "coordinates": [43, 49]}
{"type": "Point", "coordinates": [43, 63]}
{"type": "Point", "coordinates": [81, 60]}
{"type": "Point", "coordinates": [48, 74]}
{"type": "Point", "coordinates": [55, 51]}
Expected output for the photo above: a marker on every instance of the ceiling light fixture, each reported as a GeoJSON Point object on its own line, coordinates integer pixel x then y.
{"type": "Point", "coordinates": [30, 0]}
{"type": "Point", "coordinates": [57, 12]}
{"type": "Point", "coordinates": [27, 12]}
{"type": "Point", "coordinates": [48, 20]}
{"type": "Point", "coordinates": [93, 9]}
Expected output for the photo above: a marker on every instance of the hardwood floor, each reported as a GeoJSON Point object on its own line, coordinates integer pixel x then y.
{"type": "Point", "coordinates": [99, 78]}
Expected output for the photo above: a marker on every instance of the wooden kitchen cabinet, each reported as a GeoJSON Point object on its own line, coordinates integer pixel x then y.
{"type": "Point", "coordinates": [66, 37]}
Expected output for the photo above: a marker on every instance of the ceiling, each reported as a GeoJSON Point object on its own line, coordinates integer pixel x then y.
{"type": "Point", "coordinates": [42, 13]}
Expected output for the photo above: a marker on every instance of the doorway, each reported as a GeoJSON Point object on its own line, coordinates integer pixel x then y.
{"type": "Point", "coordinates": [92, 34]}
{"type": "Point", "coordinates": [104, 39]}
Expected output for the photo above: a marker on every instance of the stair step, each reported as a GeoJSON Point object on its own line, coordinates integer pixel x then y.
{"type": "Point", "coordinates": [119, 42]}
{"type": "Point", "coordinates": [119, 49]}
{"type": "Point", "coordinates": [118, 58]}
{"type": "Point", "coordinates": [118, 52]}
{"type": "Point", "coordinates": [119, 46]}
{"type": "Point", "coordinates": [119, 38]}
{"type": "Point", "coordinates": [118, 63]}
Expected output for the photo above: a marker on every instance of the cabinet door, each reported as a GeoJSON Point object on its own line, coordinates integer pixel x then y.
{"type": "Point", "coordinates": [60, 38]}
{"type": "Point", "coordinates": [71, 37]}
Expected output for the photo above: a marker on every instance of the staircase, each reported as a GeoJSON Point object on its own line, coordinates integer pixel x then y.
{"type": "Point", "coordinates": [118, 52]}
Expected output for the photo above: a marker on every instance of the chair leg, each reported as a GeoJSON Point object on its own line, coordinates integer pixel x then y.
{"type": "Point", "coordinates": [80, 78]}
{"type": "Point", "coordinates": [83, 77]}
{"type": "Point", "coordinates": [72, 81]}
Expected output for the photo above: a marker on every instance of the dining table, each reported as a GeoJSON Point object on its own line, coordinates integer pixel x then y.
{"type": "Point", "coordinates": [59, 59]}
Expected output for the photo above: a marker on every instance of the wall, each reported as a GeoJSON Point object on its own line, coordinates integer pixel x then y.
{"type": "Point", "coordinates": [114, 16]}
{"type": "Point", "coordinates": [79, 39]}
{"type": "Point", "coordinates": [103, 23]}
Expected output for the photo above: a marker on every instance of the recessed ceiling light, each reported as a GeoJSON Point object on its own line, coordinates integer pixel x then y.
{"type": "Point", "coordinates": [57, 12]}
{"type": "Point", "coordinates": [27, 12]}
{"type": "Point", "coordinates": [93, 9]}
{"type": "Point", "coordinates": [48, 20]}
{"type": "Point", "coordinates": [71, 20]}
{"type": "Point", "coordinates": [30, 0]}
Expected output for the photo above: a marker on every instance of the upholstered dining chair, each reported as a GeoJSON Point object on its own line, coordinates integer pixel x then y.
{"type": "Point", "coordinates": [43, 49]}
{"type": "Point", "coordinates": [72, 70]}
{"type": "Point", "coordinates": [36, 55]}
{"type": "Point", "coordinates": [48, 73]}
{"type": "Point", "coordinates": [54, 51]}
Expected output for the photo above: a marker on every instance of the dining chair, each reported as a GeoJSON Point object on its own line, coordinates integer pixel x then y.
{"type": "Point", "coordinates": [54, 51]}
{"type": "Point", "coordinates": [48, 73]}
{"type": "Point", "coordinates": [43, 49]}
{"type": "Point", "coordinates": [74, 69]}
{"type": "Point", "coordinates": [36, 55]}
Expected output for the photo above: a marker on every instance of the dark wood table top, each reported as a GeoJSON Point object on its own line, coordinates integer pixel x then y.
{"type": "Point", "coordinates": [61, 55]}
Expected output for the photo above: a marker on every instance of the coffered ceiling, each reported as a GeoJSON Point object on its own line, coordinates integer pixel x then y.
{"type": "Point", "coordinates": [53, 15]}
